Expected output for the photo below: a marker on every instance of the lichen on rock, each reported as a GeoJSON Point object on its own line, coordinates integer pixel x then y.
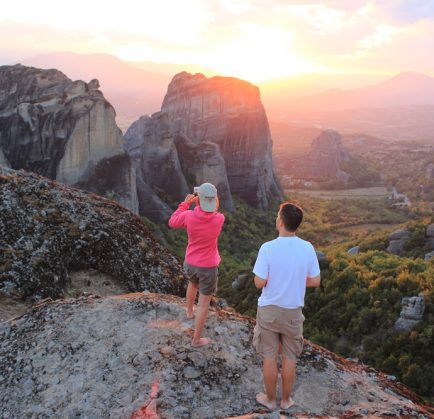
{"type": "Point", "coordinates": [48, 230]}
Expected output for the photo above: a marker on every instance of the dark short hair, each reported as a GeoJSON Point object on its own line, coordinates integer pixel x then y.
{"type": "Point", "coordinates": [291, 215]}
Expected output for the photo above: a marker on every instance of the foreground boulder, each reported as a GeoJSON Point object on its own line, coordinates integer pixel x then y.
{"type": "Point", "coordinates": [48, 230]}
{"type": "Point", "coordinates": [64, 130]}
{"type": "Point", "coordinates": [209, 130]}
{"type": "Point", "coordinates": [130, 356]}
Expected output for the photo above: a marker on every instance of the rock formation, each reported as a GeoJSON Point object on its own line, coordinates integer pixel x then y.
{"type": "Point", "coordinates": [130, 357]}
{"type": "Point", "coordinates": [354, 250]}
{"type": "Point", "coordinates": [213, 130]}
{"type": "Point", "coordinates": [323, 161]}
{"type": "Point", "coordinates": [398, 239]}
{"type": "Point", "coordinates": [240, 281]}
{"type": "Point", "coordinates": [48, 230]}
{"type": "Point", "coordinates": [64, 130]}
{"type": "Point", "coordinates": [411, 314]}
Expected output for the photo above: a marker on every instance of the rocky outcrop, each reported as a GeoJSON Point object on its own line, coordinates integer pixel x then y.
{"type": "Point", "coordinates": [323, 161]}
{"type": "Point", "coordinates": [411, 314]}
{"type": "Point", "coordinates": [64, 130]}
{"type": "Point", "coordinates": [240, 281]}
{"type": "Point", "coordinates": [354, 250]}
{"type": "Point", "coordinates": [48, 230]}
{"type": "Point", "coordinates": [169, 165]}
{"type": "Point", "coordinates": [213, 130]}
{"type": "Point", "coordinates": [398, 239]}
{"type": "Point", "coordinates": [130, 356]}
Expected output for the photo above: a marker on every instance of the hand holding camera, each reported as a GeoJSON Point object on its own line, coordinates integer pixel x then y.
{"type": "Point", "coordinates": [192, 198]}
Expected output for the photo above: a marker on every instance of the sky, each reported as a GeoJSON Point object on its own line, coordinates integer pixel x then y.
{"type": "Point", "coordinates": [252, 39]}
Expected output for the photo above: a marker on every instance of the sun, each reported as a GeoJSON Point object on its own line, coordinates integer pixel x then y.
{"type": "Point", "coordinates": [262, 54]}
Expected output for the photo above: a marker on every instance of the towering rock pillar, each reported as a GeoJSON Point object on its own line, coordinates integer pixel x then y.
{"type": "Point", "coordinates": [227, 112]}
{"type": "Point", "coordinates": [209, 130]}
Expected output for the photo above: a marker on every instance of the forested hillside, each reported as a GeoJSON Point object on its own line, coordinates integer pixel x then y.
{"type": "Point", "coordinates": [354, 311]}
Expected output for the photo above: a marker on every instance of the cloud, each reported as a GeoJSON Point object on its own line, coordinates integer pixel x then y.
{"type": "Point", "coordinates": [287, 34]}
{"type": "Point", "coordinates": [384, 34]}
{"type": "Point", "coordinates": [406, 11]}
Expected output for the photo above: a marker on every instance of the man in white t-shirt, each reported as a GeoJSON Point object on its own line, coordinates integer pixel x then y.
{"type": "Point", "coordinates": [283, 269]}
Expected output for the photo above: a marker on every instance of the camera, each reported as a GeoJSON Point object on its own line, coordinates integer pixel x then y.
{"type": "Point", "coordinates": [195, 190]}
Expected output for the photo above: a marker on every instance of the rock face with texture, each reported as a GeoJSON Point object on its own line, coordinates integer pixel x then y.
{"type": "Point", "coordinates": [209, 130]}
{"type": "Point", "coordinates": [64, 130]}
{"type": "Point", "coordinates": [169, 165]}
{"type": "Point", "coordinates": [130, 356]}
{"type": "Point", "coordinates": [398, 239]}
{"type": "Point", "coordinates": [323, 162]}
{"type": "Point", "coordinates": [48, 230]}
{"type": "Point", "coordinates": [411, 314]}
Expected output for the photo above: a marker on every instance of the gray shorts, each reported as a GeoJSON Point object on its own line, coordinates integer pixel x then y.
{"type": "Point", "coordinates": [277, 329]}
{"type": "Point", "coordinates": [205, 278]}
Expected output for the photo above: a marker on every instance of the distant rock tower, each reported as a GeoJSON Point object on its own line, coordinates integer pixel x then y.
{"type": "Point", "coordinates": [209, 130]}
{"type": "Point", "coordinates": [323, 162]}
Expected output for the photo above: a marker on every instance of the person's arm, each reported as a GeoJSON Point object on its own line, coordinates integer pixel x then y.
{"type": "Point", "coordinates": [261, 268]}
{"type": "Point", "coordinates": [313, 278]}
{"type": "Point", "coordinates": [259, 282]}
{"type": "Point", "coordinates": [314, 281]}
{"type": "Point", "coordinates": [177, 220]}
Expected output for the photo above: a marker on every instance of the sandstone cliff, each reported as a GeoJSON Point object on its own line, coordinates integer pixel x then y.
{"type": "Point", "coordinates": [64, 130]}
{"type": "Point", "coordinates": [130, 356]}
{"type": "Point", "coordinates": [213, 130]}
{"type": "Point", "coordinates": [48, 230]}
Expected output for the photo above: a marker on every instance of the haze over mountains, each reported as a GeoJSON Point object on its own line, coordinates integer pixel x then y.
{"type": "Point", "coordinates": [348, 103]}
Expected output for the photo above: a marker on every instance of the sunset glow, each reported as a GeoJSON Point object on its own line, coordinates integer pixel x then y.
{"type": "Point", "coordinates": [253, 39]}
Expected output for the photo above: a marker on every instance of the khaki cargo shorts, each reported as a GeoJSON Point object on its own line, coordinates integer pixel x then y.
{"type": "Point", "coordinates": [205, 278]}
{"type": "Point", "coordinates": [278, 326]}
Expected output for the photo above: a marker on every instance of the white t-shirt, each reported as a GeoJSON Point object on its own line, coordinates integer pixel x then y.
{"type": "Point", "coordinates": [285, 262]}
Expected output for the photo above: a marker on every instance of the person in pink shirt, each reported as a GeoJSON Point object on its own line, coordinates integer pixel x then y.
{"type": "Point", "coordinates": [203, 224]}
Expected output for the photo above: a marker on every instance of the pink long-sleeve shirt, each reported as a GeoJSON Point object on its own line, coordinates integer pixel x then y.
{"type": "Point", "coordinates": [203, 229]}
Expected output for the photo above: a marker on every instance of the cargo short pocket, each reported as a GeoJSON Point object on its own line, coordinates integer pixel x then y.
{"type": "Point", "coordinates": [298, 345]}
{"type": "Point", "coordinates": [266, 319]}
{"type": "Point", "coordinates": [256, 338]}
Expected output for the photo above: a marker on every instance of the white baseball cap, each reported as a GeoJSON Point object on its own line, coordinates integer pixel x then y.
{"type": "Point", "coordinates": [207, 193]}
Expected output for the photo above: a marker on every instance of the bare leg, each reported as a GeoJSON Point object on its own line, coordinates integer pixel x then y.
{"type": "Point", "coordinates": [288, 378]}
{"type": "Point", "coordinates": [191, 298]}
{"type": "Point", "coordinates": [201, 315]}
{"type": "Point", "coordinates": [269, 371]}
